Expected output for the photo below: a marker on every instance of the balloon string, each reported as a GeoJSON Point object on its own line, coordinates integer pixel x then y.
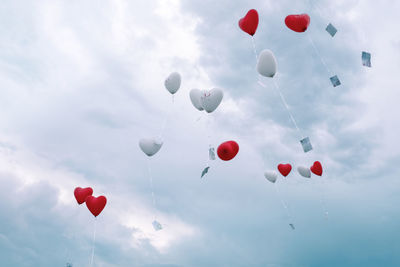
{"type": "Point", "coordinates": [151, 187]}
{"type": "Point", "coordinates": [319, 54]}
{"type": "Point", "coordinates": [254, 48]}
{"type": "Point", "coordinates": [166, 119]}
{"type": "Point", "coordinates": [287, 107]}
{"type": "Point", "coordinates": [94, 240]}
{"type": "Point", "coordinates": [284, 206]}
{"type": "Point", "coordinates": [323, 204]}
{"type": "Point", "coordinates": [316, 7]}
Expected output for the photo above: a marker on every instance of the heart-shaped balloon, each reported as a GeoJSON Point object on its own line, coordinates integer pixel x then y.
{"type": "Point", "coordinates": [211, 99]}
{"type": "Point", "coordinates": [316, 168]}
{"type": "Point", "coordinates": [266, 63]}
{"type": "Point", "coordinates": [298, 23]}
{"type": "Point", "coordinates": [81, 194]}
{"type": "Point", "coordinates": [195, 97]}
{"type": "Point", "coordinates": [249, 22]}
{"type": "Point", "coordinates": [304, 171]}
{"type": "Point", "coordinates": [173, 82]}
{"type": "Point", "coordinates": [150, 146]}
{"type": "Point", "coordinates": [228, 150]}
{"type": "Point", "coordinates": [284, 169]}
{"type": "Point", "coordinates": [271, 176]}
{"type": "Point", "coordinates": [96, 204]}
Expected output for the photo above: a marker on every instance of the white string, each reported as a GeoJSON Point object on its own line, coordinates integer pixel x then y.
{"type": "Point", "coordinates": [94, 240]}
{"type": "Point", "coordinates": [284, 205]}
{"type": "Point", "coordinates": [322, 200]}
{"type": "Point", "coordinates": [152, 188]}
{"type": "Point", "coordinates": [166, 119]}
{"type": "Point", "coordinates": [318, 54]}
{"type": "Point", "coordinates": [315, 5]}
{"type": "Point", "coordinates": [254, 48]}
{"type": "Point", "coordinates": [287, 107]}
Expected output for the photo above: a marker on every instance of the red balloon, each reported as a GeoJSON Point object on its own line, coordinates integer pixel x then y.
{"type": "Point", "coordinates": [284, 169]}
{"type": "Point", "coordinates": [82, 193]}
{"type": "Point", "coordinates": [298, 23]}
{"type": "Point", "coordinates": [249, 22]}
{"type": "Point", "coordinates": [96, 204]}
{"type": "Point", "coordinates": [316, 168]}
{"type": "Point", "coordinates": [227, 150]}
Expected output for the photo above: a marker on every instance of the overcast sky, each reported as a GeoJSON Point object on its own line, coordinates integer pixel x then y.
{"type": "Point", "coordinates": [83, 81]}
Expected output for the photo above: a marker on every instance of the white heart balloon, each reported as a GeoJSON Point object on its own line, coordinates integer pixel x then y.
{"type": "Point", "coordinates": [195, 97]}
{"type": "Point", "coordinates": [211, 99]}
{"type": "Point", "coordinates": [150, 146]}
{"type": "Point", "coordinates": [303, 171]}
{"type": "Point", "coordinates": [173, 82]}
{"type": "Point", "coordinates": [271, 176]}
{"type": "Point", "coordinates": [266, 64]}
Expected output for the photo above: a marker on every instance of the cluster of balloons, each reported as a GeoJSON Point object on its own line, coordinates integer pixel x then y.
{"type": "Point", "coordinates": [267, 67]}
{"type": "Point", "coordinates": [285, 169]}
{"type": "Point", "coordinates": [94, 204]}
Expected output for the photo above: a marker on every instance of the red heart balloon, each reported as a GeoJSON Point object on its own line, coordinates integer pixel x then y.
{"type": "Point", "coordinates": [298, 23]}
{"type": "Point", "coordinates": [249, 22]}
{"type": "Point", "coordinates": [82, 193]}
{"type": "Point", "coordinates": [316, 168]}
{"type": "Point", "coordinates": [228, 150]}
{"type": "Point", "coordinates": [284, 169]}
{"type": "Point", "coordinates": [96, 204]}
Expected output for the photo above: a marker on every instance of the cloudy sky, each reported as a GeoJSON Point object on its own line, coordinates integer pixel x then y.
{"type": "Point", "coordinates": [82, 82]}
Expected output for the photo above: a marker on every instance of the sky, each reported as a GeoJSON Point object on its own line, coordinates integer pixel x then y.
{"type": "Point", "coordinates": [83, 81]}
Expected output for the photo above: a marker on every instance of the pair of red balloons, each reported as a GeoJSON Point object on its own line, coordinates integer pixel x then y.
{"type": "Point", "coordinates": [94, 204]}
{"type": "Point", "coordinates": [285, 169]}
{"type": "Point", "coordinates": [297, 23]}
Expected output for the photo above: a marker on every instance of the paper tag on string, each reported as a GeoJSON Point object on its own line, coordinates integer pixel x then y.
{"type": "Point", "coordinates": [211, 153]}
{"type": "Point", "coordinates": [366, 59]}
{"type": "Point", "coordinates": [156, 225]}
{"type": "Point", "coordinates": [306, 144]}
{"type": "Point", "coordinates": [204, 172]}
{"type": "Point", "coordinates": [335, 81]}
{"type": "Point", "coordinates": [331, 29]}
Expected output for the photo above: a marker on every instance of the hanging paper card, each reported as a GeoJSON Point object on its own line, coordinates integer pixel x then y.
{"type": "Point", "coordinates": [205, 171]}
{"type": "Point", "coordinates": [211, 153]}
{"type": "Point", "coordinates": [306, 144]}
{"type": "Point", "coordinates": [331, 29]}
{"type": "Point", "coordinates": [335, 81]}
{"type": "Point", "coordinates": [157, 226]}
{"type": "Point", "coordinates": [366, 59]}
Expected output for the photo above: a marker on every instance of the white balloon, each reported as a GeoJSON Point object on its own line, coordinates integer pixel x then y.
{"type": "Point", "coordinates": [271, 176]}
{"type": "Point", "coordinates": [266, 64]}
{"type": "Point", "coordinates": [211, 99]}
{"type": "Point", "coordinates": [195, 97]}
{"type": "Point", "coordinates": [303, 171]}
{"type": "Point", "coordinates": [150, 146]}
{"type": "Point", "coordinates": [173, 82]}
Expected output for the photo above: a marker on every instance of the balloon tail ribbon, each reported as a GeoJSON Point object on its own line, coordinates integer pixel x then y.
{"type": "Point", "coordinates": [316, 7]}
{"type": "Point", "coordinates": [287, 107]}
{"type": "Point", "coordinates": [285, 207]}
{"type": "Point", "coordinates": [153, 197]}
{"type": "Point", "coordinates": [166, 119]}
{"type": "Point", "coordinates": [94, 241]}
{"type": "Point", "coordinates": [319, 54]}
{"type": "Point", "coordinates": [323, 204]}
{"type": "Point", "coordinates": [254, 48]}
